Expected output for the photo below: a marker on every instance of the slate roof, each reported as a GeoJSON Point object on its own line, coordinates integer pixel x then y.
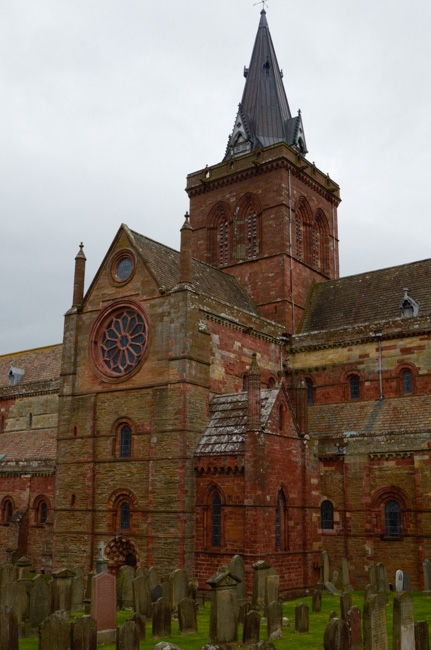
{"type": "Point", "coordinates": [397, 415]}
{"type": "Point", "coordinates": [367, 297]}
{"type": "Point", "coordinates": [40, 364]}
{"type": "Point", "coordinates": [28, 445]}
{"type": "Point", "coordinates": [226, 429]}
{"type": "Point", "coordinates": [164, 264]}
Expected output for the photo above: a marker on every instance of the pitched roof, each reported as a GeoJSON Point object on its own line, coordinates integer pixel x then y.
{"type": "Point", "coordinates": [264, 117]}
{"type": "Point", "coordinates": [227, 426]}
{"type": "Point", "coordinates": [373, 418]}
{"type": "Point", "coordinates": [40, 364]}
{"type": "Point", "coordinates": [29, 445]}
{"type": "Point", "coordinates": [367, 297]}
{"type": "Point", "coordinates": [164, 264]}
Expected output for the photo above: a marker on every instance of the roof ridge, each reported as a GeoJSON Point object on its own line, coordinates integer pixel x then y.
{"type": "Point", "coordinates": [43, 347]}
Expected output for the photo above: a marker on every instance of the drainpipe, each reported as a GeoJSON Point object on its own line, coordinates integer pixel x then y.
{"type": "Point", "coordinates": [291, 254]}
{"type": "Point", "coordinates": [378, 336]}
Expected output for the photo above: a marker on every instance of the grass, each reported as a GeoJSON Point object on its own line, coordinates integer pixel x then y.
{"type": "Point", "coordinates": [290, 641]}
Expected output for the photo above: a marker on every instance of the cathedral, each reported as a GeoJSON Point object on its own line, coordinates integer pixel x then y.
{"type": "Point", "coordinates": [235, 397]}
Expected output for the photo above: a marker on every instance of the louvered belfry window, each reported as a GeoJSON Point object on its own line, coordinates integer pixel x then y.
{"type": "Point", "coordinates": [223, 242]}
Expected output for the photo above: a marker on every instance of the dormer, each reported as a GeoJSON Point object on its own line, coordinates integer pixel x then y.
{"type": "Point", "coordinates": [408, 306]}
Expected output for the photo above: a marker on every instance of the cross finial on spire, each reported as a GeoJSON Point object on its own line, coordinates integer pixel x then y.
{"type": "Point", "coordinates": [264, 4]}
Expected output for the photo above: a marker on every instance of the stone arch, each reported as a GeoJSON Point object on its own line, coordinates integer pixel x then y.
{"type": "Point", "coordinates": [116, 501]}
{"type": "Point", "coordinates": [247, 228]}
{"type": "Point", "coordinates": [219, 224]}
{"type": "Point", "coordinates": [322, 242]}
{"type": "Point", "coordinates": [303, 226]}
{"type": "Point", "coordinates": [120, 551]}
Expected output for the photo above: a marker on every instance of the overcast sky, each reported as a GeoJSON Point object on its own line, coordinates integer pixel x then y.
{"type": "Point", "coordinates": [107, 105]}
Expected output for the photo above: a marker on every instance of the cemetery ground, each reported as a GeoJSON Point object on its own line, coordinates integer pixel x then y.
{"type": "Point", "coordinates": [290, 641]}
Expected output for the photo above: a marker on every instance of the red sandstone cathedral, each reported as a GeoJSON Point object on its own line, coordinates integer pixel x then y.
{"type": "Point", "coordinates": [236, 397]}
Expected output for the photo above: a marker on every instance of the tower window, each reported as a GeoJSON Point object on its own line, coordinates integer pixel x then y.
{"type": "Point", "coordinates": [407, 382]}
{"type": "Point", "coordinates": [216, 521]}
{"type": "Point", "coordinates": [252, 235]}
{"type": "Point", "coordinates": [392, 519]}
{"type": "Point", "coordinates": [125, 442]}
{"type": "Point", "coordinates": [223, 242]}
{"type": "Point", "coordinates": [298, 237]}
{"type": "Point", "coordinates": [125, 516]}
{"type": "Point", "coordinates": [327, 515]}
{"type": "Point", "coordinates": [30, 419]}
{"type": "Point", "coordinates": [309, 385]}
{"type": "Point", "coordinates": [354, 387]}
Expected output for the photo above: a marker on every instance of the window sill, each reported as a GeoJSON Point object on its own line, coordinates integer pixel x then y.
{"type": "Point", "coordinates": [392, 538]}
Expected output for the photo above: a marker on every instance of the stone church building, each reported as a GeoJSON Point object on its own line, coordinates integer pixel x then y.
{"type": "Point", "coordinates": [236, 397]}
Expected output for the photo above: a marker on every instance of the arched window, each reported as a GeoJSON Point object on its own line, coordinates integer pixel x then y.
{"type": "Point", "coordinates": [281, 523]}
{"type": "Point", "coordinates": [223, 242]}
{"type": "Point", "coordinates": [407, 382]}
{"type": "Point", "coordinates": [392, 519]}
{"type": "Point", "coordinates": [30, 419]}
{"type": "Point", "coordinates": [7, 510]}
{"type": "Point", "coordinates": [309, 385]}
{"type": "Point", "coordinates": [271, 382]}
{"type": "Point", "coordinates": [216, 520]}
{"type": "Point", "coordinates": [125, 441]}
{"type": "Point", "coordinates": [42, 514]}
{"type": "Point", "coordinates": [326, 515]}
{"type": "Point", "coordinates": [125, 516]}
{"type": "Point", "coordinates": [354, 387]}
{"type": "Point", "coordinates": [251, 235]}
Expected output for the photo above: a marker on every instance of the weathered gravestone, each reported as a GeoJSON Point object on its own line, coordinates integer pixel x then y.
{"type": "Point", "coordinates": [18, 598]}
{"type": "Point", "coordinates": [274, 620]}
{"type": "Point", "coordinates": [156, 593]}
{"type": "Point", "coordinates": [382, 578]}
{"type": "Point", "coordinates": [333, 614]}
{"type": "Point", "coordinates": [40, 600]}
{"type": "Point", "coordinates": [316, 606]}
{"type": "Point", "coordinates": [140, 622]}
{"type": "Point", "coordinates": [427, 577]}
{"type": "Point", "coordinates": [354, 623]}
{"type": "Point", "coordinates": [251, 630]}
{"type": "Point", "coordinates": [337, 635]}
{"type": "Point", "coordinates": [153, 577]}
{"type": "Point", "coordinates": [8, 629]}
{"type": "Point", "coordinates": [54, 632]}
{"type": "Point", "coordinates": [104, 602]}
{"type": "Point", "coordinates": [78, 571]}
{"type": "Point", "coordinates": [421, 635]}
{"type": "Point", "coordinates": [403, 635]}
{"type": "Point", "coordinates": [261, 570]}
{"type": "Point", "coordinates": [374, 617]}
{"type": "Point", "coordinates": [237, 567]}
{"type": "Point", "coordinates": [161, 619]}
{"type": "Point", "coordinates": [372, 575]}
{"type": "Point", "coordinates": [336, 580]}
{"type": "Point", "coordinates": [244, 607]}
{"type": "Point", "coordinates": [125, 579]}
{"type": "Point", "coordinates": [370, 590]}
{"type": "Point", "coordinates": [128, 636]}
{"type": "Point", "coordinates": [187, 616]}
{"type": "Point", "coordinates": [78, 585]}
{"type": "Point", "coordinates": [345, 605]}
{"type": "Point", "coordinates": [140, 572]}
{"type": "Point", "coordinates": [271, 589]}
{"type": "Point", "coordinates": [329, 632]}
{"type": "Point", "coordinates": [23, 565]}
{"type": "Point", "coordinates": [61, 592]}
{"type": "Point", "coordinates": [301, 619]}
{"type": "Point", "coordinates": [8, 575]}
{"type": "Point", "coordinates": [141, 596]}
{"type": "Point", "coordinates": [179, 587]}
{"type": "Point", "coordinates": [399, 579]}
{"type": "Point", "coordinates": [223, 617]}
{"type": "Point", "coordinates": [84, 633]}
{"type": "Point", "coordinates": [323, 570]}
{"type": "Point", "coordinates": [406, 582]}
{"type": "Point", "coordinates": [345, 576]}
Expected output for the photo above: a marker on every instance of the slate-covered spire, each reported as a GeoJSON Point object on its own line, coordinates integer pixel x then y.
{"type": "Point", "coordinates": [264, 116]}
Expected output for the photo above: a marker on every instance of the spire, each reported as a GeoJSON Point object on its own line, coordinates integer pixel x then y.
{"type": "Point", "coordinates": [78, 281]}
{"type": "Point", "coordinates": [264, 116]}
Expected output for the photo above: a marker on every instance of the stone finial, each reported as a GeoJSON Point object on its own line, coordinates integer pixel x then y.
{"type": "Point", "coordinates": [78, 281]}
{"type": "Point", "coordinates": [186, 251]}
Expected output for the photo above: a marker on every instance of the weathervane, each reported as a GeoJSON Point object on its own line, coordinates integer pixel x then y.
{"type": "Point", "coordinates": [264, 3]}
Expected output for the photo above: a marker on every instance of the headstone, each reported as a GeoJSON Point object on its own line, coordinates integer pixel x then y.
{"type": "Point", "coordinates": [406, 582]}
{"type": "Point", "coordinates": [23, 565]}
{"type": "Point", "coordinates": [399, 580]}
{"type": "Point", "coordinates": [372, 575]}
{"type": "Point", "coordinates": [193, 589]}
{"type": "Point", "coordinates": [40, 600]}
{"type": "Point", "coordinates": [370, 590]}
{"type": "Point", "coordinates": [261, 570]}
{"type": "Point", "coordinates": [403, 636]}
{"type": "Point", "coordinates": [251, 630]}
{"type": "Point", "coordinates": [427, 577]}
{"type": "Point", "coordinates": [54, 632]}
{"type": "Point", "coordinates": [271, 589]}
{"type": "Point", "coordinates": [8, 629]}
{"type": "Point", "coordinates": [8, 575]}
{"type": "Point", "coordinates": [104, 602]}
{"type": "Point", "coordinates": [161, 619]}
{"type": "Point", "coordinates": [156, 593]}
{"type": "Point", "coordinates": [223, 617]}
{"type": "Point", "coordinates": [77, 594]}
{"type": "Point", "coordinates": [84, 633]}
{"type": "Point", "coordinates": [333, 614]}
{"type": "Point", "coordinates": [382, 578]}
{"type": "Point", "coordinates": [274, 620]}
{"type": "Point", "coordinates": [88, 593]}
{"type": "Point", "coordinates": [18, 599]}
{"type": "Point", "coordinates": [345, 576]}
{"type": "Point", "coordinates": [126, 575]}
{"type": "Point", "coordinates": [375, 635]}
{"type": "Point", "coordinates": [187, 616]}
{"type": "Point", "coordinates": [301, 619]}
{"type": "Point", "coordinates": [354, 623]}
{"type": "Point", "coordinates": [153, 577]}
{"type": "Point", "coordinates": [338, 635]}
{"type": "Point", "coordinates": [336, 581]}
{"type": "Point", "coordinates": [128, 636]}
{"type": "Point", "coordinates": [140, 622]}
{"type": "Point", "coordinates": [421, 635]}
{"type": "Point", "coordinates": [237, 567]}
{"type": "Point", "coordinates": [243, 609]}
{"type": "Point", "coordinates": [79, 571]}
{"type": "Point", "coordinates": [324, 567]}
{"type": "Point", "coordinates": [316, 607]}
{"type": "Point", "coordinates": [179, 587]}
{"type": "Point", "coordinates": [140, 572]}
{"type": "Point", "coordinates": [61, 592]}
{"type": "Point", "coordinates": [345, 605]}
{"type": "Point", "coordinates": [141, 596]}
{"type": "Point", "coordinates": [329, 632]}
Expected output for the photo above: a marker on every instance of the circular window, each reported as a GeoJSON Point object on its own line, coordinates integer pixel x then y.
{"type": "Point", "coordinates": [122, 267]}
{"type": "Point", "coordinates": [120, 338]}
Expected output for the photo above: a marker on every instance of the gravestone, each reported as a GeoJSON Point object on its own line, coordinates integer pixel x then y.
{"type": "Point", "coordinates": [406, 582]}
{"type": "Point", "coordinates": [18, 598]}
{"type": "Point", "coordinates": [8, 629]}
{"type": "Point", "coordinates": [153, 577]}
{"type": "Point", "coordinates": [301, 619]}
{"type": "Point", "coordinates": [399, 580]}
{"type": "Point", "coordinates": [125, 579]}
{"type": "Point", "coordinates": [329, 633]}
{"type": "Point", "coordinates": [61, 592]}
{"type": "Point", "coordinates": [372, 575]}
{"type": "Point", "coordinates": [140, 622]}
{"type": "Point", "coordinates": [40, 601]}
{"type": "Point", "coordinates": [140, 572]}
{"type": "Point", "coordinates": [179, 587]}
{"type": "Point", "coordinates": [23, 565]}
{"type": "Point", "coordinates": [8, 575]}
{"type": "Point", "coordinates": [77, 594]}
{"type": "Point", "coordinates": [324, 569]}
{"type": "Point", "coordinates": [193, 589]}
{"type": "Point", "coordinates": [421, 635]}
{"type": "Point", "coordinates": [223, 617]}
{"type": "Point", "coordinates": [344, 576]}
{"type": "Point", "coordinates": [237, 567]}
{"type": "Point", "coordinates": [187, 616]}
{"type": "Point", "coordinates": [382, 578]}
{"type": "Point", "coordinates": [141, 596]}
{"type": "Point", "coordinates": [261, 570]}
{"type": "Point", "coordinates": [345, 605]}
{"type": "Point", "coordinates": [128, 636]}
{"type": "Point", "coordinates": [274, 620]}
{"type": "Point", "coordinates": [338, 637]}
{"type": "Point", "coordinates": [156, 593]}
{"type": "Point", "coordinates": [271, 589]}
{"type": "Point", "coordinates": [374, 616]}
{"type": "Point", "coordinates": [370, 590]}
{"type": "Point", "coordinates": [78, 571]}
{"type": "Point", "coordinates": [333, 614]}
{"type": "Point", "coordinates": [336, 580]}
{"type": "Point", "coordinates": [161, 619]}
{"type": "Point", "coordinates": [251, 630]}
{"type": "Point", "coordinates": [403, 635]}
{"type": "Point", "coordinates": [243, 609]}
{"type": "Point", "coordinates": [84, 633]}
{"type": "Point", "coordinates": [354, 623]}
{"type": "Point", "coordinates": [316, 606]}
{"type": "Point", "coordinates": [104, 602]}
{"type": "Point", "coordinates": [54, 632]}
{"type": "Point", "coordinates": [427, 577]}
